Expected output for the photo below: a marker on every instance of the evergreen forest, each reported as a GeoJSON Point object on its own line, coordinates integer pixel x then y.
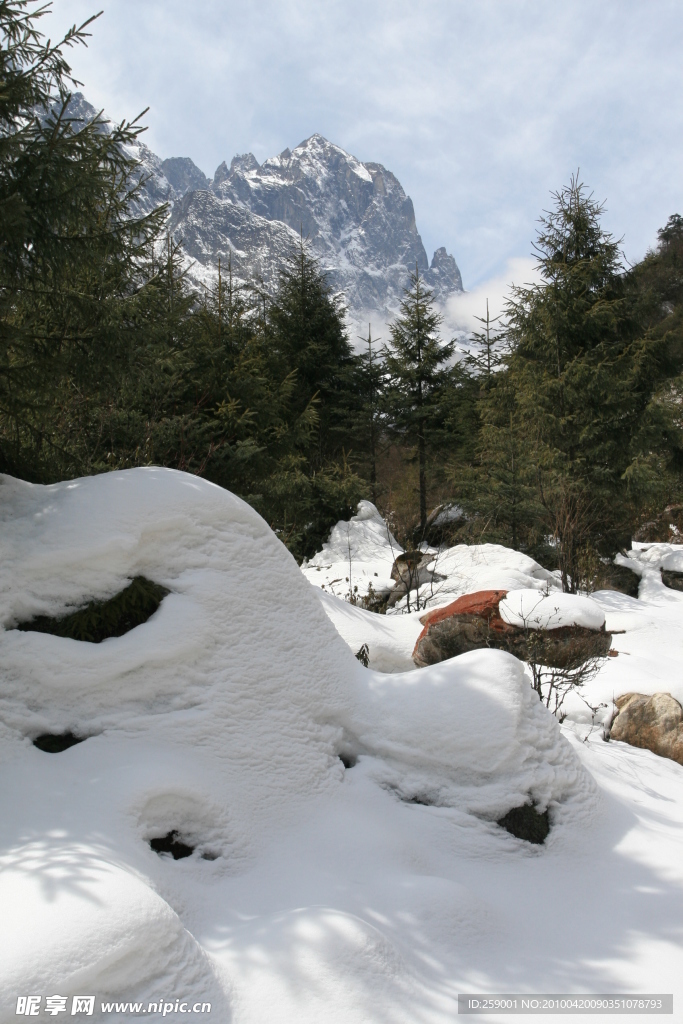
{"type": "Point", "coordinates": [558, 432]}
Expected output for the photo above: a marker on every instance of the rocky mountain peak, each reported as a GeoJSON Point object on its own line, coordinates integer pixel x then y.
{"type": "Point", "coordinates": [183, 174]}
{"type": "Point", "coordinates": [356, 216]}
{"type": "Point", "coordinates": [245, 162]}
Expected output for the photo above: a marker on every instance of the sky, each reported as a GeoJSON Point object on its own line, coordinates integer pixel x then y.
{"type": "Point", "coordinates": [481, 108]}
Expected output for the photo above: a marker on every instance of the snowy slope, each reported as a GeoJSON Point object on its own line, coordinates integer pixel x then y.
{"type": "Point", "coordinates": [360, 553]}
{"type": "Point", "coordinates": [369, 894]}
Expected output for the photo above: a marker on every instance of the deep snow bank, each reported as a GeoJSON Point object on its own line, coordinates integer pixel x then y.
{"type": "Point", "coordinates": [222, 718]}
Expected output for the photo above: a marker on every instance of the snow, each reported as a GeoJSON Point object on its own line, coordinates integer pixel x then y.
{"type": "Point", "coordinates": [358, 554]}
{"type": "Point", "coordinates": [362, 551]}
{"type": "Point", "coordinates": [372, 894]}
{"type": "Point", "coordinates": [531, 610]}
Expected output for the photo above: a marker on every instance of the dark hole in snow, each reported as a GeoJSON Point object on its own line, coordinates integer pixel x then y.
{"type": "Point", "coordinates": [173, 844]}
{"type": "Point", "coordinates": [348, 760]}
{"type": "Point", "coordinates": [56, 742]}
{"type": "Point", "coordinates": [99, 620]}
{"type": "Point", "coordinates": [527, 823]}
{"type": "Point", "coordinates": [423, 801]}
{"type": "Point", "coordinates": [210, 855]}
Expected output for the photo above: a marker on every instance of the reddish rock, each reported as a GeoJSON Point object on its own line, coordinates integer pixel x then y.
{"type": "Point", "coordinates": [483, 604]}
{"type": "Point", "coordinates": [474, 622]}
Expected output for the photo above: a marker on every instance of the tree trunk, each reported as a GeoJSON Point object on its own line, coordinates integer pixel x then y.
{"type": "Point", "coordinates": [423, 477]}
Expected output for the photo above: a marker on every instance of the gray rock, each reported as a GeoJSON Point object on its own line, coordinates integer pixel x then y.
{"type": "Point", "coordinates": [356, 216]}
{"type": "Point", "coordinates": [184, 175]}
{"type": "Point", "coordinates": [473, 622]}
{"type": "Point", "coordinates": [655, 723]}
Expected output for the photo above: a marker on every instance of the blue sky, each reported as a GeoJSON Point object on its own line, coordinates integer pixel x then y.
{"type": "Point", "coordinates": [481, 108]}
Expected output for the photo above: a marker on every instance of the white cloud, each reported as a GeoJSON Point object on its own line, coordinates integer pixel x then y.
{"type": "Point", "coordinates": [463, 309]}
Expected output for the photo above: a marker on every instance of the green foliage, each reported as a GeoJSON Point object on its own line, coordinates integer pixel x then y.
{"type": "Point", "coordinates": [70, 250]}
{"type": "Point", "coordinates": [418, 380]}
{"type": "Point", "coordinates": [583, 378]}
{"type": "Point", "coordinates": [366, 425]}
{"type": "Point", "coordinates": [108, 359]}
{"type": "Point", "coordinates": [503, 489]}
{"type": "Point", "coordinates": [100, 620]}
{"type": "Point", "coordinates": [307, 334]}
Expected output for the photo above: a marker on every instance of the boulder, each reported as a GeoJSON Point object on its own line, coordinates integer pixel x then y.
{"type": "Point", "coordinates": [410, 570]}
{"type": "Point", "coordinates": [474, 621]}
{"type": "Point", "coordinates": [653, 722]}
{"type": "Point", "coordinates": [616, 577]}
{"type": "Point", "coordinates": [672, 579]}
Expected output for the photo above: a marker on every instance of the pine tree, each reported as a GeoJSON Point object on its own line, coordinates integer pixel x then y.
{"type": "Point", "coordinates": [486, 359]}
{"type": "Point", "coordinates": [365, 427]}
{"type": "Point", "coordinates": [418, 378]}
{"type": "Point", "coordinates": [505, 487]}
{"type": "Point", "coordinates": [70, 251]}
{"type": "Point", "coordinates": [308, 333]}
{"type": "Point", "coordinates": [584, 377]}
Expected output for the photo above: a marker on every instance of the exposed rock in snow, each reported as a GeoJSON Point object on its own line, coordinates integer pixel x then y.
{"type": "Point", "coordinates": [362, 552]}
{"type": "Point", "coordinates": [475, 622]}
{"type": "Point", "coordinates": [655, 723]}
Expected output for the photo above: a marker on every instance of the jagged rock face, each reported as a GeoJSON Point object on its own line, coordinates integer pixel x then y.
{"type": "Point", "coordinates": [183, 175]}
{"type": "Point", "coordinates": [212, 228]}
{"type": "Point", "coordinates": [356, 216]}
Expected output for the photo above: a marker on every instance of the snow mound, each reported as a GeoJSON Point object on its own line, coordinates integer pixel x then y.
{"type": "Point", "coordinates": [222, 718]}
{"type": "Point", "coordinates": [659, 556]}
{"type": "Point", "coordinates": [358, 554]}
{"type": "Point", "coordinates": [468, 568]}
{"type": "Point", "coordinates": [390, 639]}
{"type": "Point", "coordinates": [531, 610]}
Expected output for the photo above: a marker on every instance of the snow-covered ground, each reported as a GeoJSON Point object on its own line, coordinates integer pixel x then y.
{"type": "Point", "coordinates": [373, 893]}
{"type": "Point", "coordinates": [359, 554]}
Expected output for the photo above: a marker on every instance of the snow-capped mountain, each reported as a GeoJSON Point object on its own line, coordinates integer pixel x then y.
{"type": "Point", "coordinates": [356, 216]}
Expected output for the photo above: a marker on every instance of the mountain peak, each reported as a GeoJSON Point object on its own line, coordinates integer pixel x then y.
{"type": "Point", "coordinates": [244, 162]}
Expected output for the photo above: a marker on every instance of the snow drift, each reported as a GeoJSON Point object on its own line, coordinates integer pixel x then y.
{"type": "Point", "coordinates": [222, 718]}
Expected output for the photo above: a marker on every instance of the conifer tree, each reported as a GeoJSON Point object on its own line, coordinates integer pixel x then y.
{"type": "Point", "coordinates": [366, 414]}
{"type": "Point", "coordinates": [415, 361]}
{"type": "Point", "coordinates": [70, 250]}
{"type": "Point", "coordinates": [584, 376]}
{"type": "Point", "coordinates": [308, 335]}
{"type": "Point", "coordinates": [506, 499]}
{"type": "Point", "coordinates": [486, 359]}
